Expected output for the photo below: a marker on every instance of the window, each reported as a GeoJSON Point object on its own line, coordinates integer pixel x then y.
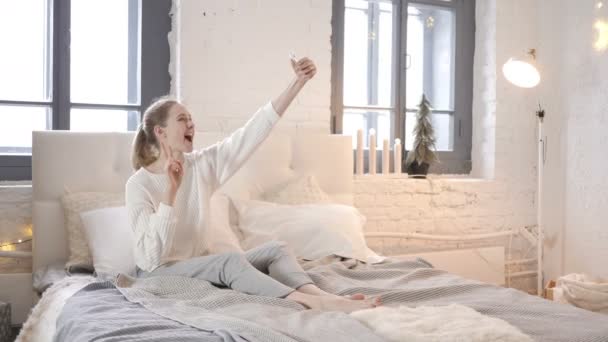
{"type": "Point", "coordinates": [386, 54]}
{"type": "Point", "coordinates": [85, 65]}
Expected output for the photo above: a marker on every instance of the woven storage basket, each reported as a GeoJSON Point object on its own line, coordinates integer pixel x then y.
{"type": "Point", "coordinates": [5, 322]}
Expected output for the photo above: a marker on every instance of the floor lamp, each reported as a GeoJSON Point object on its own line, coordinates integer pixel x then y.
{"type": "Point", "coordinates": [523, 73]}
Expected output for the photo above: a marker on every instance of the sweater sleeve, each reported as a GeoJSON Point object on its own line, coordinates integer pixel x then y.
{"type": "Point", "coordinates": [152, 227]}
{"type": "Point", "coordinates": [225, 157]}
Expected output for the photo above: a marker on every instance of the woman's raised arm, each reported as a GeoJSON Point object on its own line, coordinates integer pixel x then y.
{"type": "Point", "coordinates": [305, 69]}
{"type": "Point", "coordinates": [226, 157]}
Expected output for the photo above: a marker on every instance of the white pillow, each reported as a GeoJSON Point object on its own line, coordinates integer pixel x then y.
{"type": "Point", "coordinates": [110, 240]}
{"type": "Point", "coordinates": [73, 205]}
{"type": "Point", "coordinates": [311, 230]}
{"type": "Point", "coordinates": [302, 190]}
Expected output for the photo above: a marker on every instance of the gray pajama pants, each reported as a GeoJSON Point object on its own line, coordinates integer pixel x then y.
{"type": "Point", "coordinates": [268, 270]}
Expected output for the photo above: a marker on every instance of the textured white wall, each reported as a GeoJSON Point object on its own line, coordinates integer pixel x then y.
{"type": "Point", "coordinates": [484, 91]}
{"type": "Point", "coordinates": [575, 207]}
{"type": "Point", "coordinates": [551, 62]}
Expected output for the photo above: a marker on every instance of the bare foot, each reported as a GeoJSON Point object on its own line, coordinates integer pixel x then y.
{"type": "Point", "coordinates": [356, 296]}
{"type": "Point", "coordinates": [333, 302]}
{"type": "Point", "coordinates": [314, 290]}
{"type": "Point", "coordinates": [346, 305]}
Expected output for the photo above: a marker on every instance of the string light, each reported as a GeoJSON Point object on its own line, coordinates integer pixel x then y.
{"type": "Point", "coordinates": [12, 246]}
{"type": "Point", "coordinates": [9, 244]}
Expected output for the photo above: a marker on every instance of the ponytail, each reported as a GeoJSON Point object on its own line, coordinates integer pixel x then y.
{"type": "Point", "coordinates": [146, 147]}
{"type": "Point", "coordinates": [140, 156]}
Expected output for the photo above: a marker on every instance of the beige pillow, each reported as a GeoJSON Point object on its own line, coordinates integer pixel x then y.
{"type": "Point", "coordinates": [73, 205]}
{"type": "Point", "coordinates": [302, 190]}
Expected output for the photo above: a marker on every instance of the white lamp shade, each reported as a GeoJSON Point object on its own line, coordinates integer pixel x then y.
{"type": "Point", "coordinates": [520, 73]}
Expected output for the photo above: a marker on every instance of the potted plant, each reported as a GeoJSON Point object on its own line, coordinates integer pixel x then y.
{"type": "Point", "coordinates": [422, 154]}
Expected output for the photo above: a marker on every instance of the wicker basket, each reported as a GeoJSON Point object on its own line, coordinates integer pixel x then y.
{"type": "Point", "coordinates": [5, 322]}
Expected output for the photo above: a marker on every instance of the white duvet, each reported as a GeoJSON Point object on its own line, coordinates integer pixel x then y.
{"type": "Point", "coordinates": [438, 324]}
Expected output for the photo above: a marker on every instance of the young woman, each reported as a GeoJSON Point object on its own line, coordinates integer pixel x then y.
{"type": "Point", "coordinates": [168, 202]}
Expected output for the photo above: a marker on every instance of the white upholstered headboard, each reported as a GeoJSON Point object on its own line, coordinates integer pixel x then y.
{"type": "Point", "coordinates": [80, 161]}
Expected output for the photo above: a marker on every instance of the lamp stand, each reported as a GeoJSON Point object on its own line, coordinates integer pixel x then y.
{"type": "Point", "coordinates": [541, 164]}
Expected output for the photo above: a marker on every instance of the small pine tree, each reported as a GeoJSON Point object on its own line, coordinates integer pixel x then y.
{"type": "Point", "coordinates": [424, 142]}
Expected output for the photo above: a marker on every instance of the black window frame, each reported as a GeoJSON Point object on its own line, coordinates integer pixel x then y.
{"type": "Point", "coordinates": [457, 161]}
{"type": "Point", "coordinates": [154, 68]}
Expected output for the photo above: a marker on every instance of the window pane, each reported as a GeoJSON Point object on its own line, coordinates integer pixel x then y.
{"type": "Point", "coordinates": [105, 49]}
{"type": "Point", "coordinates": [360, 4]}
{"type": "Point", "coordinates": [351, 122]}
{"type": "Point", "coordinates": [410, 123]}
{"type": "Point", "coordinates": [384, 126]}
{"type": "Point", "coordinates": [385, 57]}
{"type": "Point", "coordinates": [430, 56]}
{"type": "Point", "coordinates": [444, 128]}
{"type": "Point", "coordinates": [368, 53]}
{"type": "Point", "coordinates": [26, 56]}
{"type": "Point", "coordinates": [355, 56]}
{"type": "Point", "coordinates": [103, 120]}
{"type": "Point", "coordinates": [443, 125]}
{"type": "Point", "coordinates": [16, 137]}
{"type": "Point", "coordinates": [355, 119]}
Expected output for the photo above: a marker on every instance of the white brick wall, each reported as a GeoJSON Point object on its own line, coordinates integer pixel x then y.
{"type": "Point", "coordinates": [441, 205]}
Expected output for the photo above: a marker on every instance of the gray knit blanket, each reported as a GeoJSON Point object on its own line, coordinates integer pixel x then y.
{"type": "Point", "coordinates": [193, 310]}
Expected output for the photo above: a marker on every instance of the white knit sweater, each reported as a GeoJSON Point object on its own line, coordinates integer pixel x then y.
{"type": "Point", "coordinates": [166, 233]}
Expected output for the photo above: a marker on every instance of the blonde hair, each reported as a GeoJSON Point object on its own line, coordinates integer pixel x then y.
{"type": "Point", "coordinates": [146, 147]}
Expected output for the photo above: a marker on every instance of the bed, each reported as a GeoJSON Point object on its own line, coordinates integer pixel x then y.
{"type": "Point", "coordinates": [83, 308]}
